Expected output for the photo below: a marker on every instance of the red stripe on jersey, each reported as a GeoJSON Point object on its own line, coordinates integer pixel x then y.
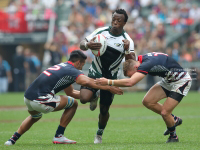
{"type": "Point", "coordinates": [142, 71]}
{"type": "Point", "coordinates": [79, 76]}
{"type": "Point", "coordinates": [69, 62]}
{"type": "Point", "coordinates": [140, 58]}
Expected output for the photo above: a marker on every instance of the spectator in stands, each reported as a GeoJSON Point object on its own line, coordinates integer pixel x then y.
{"type": "Point", "coordinates": [61, 43]}
{"type": "Point", "coordinates": [186, 56]}
{"type": "Point", "coordinates": [56, 56]}
{"type": "Point", "coordinates": [19, 70]}
{"type": "Point", "coordinates": [5, 75]}
{"type": "Point", "coordinates": [175, 51]}
{"type": "Point", "coordinates": [32, 66]}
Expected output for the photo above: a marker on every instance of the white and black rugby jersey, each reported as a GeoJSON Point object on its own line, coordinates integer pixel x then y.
{"type": "Point", "coordinates": [114, 53]}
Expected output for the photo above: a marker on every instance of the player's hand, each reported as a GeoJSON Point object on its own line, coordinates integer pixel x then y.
{"type": "Point", "coordinates": [116, 90]}
{"type": "Point", "coordinates": [126, 44]}
{"type": "Point", "coordinates": [94, 45]}
{"type": "Point", "coordinates": [101, 81]}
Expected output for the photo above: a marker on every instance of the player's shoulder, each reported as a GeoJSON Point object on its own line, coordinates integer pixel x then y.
{"type": "Point", "coordinates": [127, 36]}
{"type": "Point", "coordinates": [101, 29]}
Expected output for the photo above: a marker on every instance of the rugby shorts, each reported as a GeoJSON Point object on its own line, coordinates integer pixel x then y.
{"type": "Point", "coordinates": [106, 97]}
{"type": "Point", "coordinates": [44, 105]}
{"type": "Point", "coordinates": [181, 86]}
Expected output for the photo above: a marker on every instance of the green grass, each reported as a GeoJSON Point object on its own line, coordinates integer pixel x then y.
{"type": "Point", "coordinates": [131, 126]}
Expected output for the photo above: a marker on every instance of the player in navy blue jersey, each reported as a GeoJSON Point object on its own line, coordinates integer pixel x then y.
{"type": "Point", "coordinates": [174, 85]}
{"type": "Point", "coordinates": [40, 96]}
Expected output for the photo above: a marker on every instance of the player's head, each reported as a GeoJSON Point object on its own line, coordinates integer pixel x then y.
{"type": "Point", "coordinates": [119, 18]}
{"type": "Point", "coordinates": [78, 58]}
{"type": "Point", "coordinates": [130, 67]}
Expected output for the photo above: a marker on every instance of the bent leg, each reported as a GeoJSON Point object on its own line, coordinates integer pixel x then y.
{"type": "Point", "coordinates": [70, 105]}
{"type": "Point", "coordinates": [69, 111]}
{"type": "Point", "coordinates": [25, 126]}
{"type": "Point", "coordinates": [155, 94]}
{"type": "Point", "coordinates": [86, 94]}
{"type": "Point", "coordinates": [29, 121]}
{"type": "Point", "coordinates": [167, 109]}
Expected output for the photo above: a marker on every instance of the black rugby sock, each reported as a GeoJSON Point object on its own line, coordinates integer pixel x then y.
{"type": "Point", "coordinates": [101, 129]}
{"type": "Point", "coordinates": [59, 131]}
{"type": "Point", "coordinates": [172, 131]}
{"type": "Point", "coordinates": [15, 137]}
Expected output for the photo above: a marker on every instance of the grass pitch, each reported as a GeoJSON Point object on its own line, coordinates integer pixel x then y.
{"type": "Point", "coordinates": [131, 126]}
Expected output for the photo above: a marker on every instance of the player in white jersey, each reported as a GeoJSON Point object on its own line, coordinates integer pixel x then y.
{"type": "Point", "coordinates": [119, 44]}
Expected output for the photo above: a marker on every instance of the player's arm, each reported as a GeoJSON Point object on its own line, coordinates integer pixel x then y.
{"type": "Point", "coordinates": [84, 45]}
{"type": "Point", "coordinates": [89, 82]}
{"type": "Point", "coordinates": [70, 91]}
{"type": "Point", "coordinates": [135, 78]}
{"type": "Point", "coordinates": [129, 48]}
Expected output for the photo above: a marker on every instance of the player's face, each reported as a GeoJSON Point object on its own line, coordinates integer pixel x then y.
{"type": "Point", "coordinates": [131, 72]}
{"type": "Point", "coordinates": [118, 21]}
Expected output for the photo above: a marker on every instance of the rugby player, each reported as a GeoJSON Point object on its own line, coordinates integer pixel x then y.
{"type": "Point", "coordinates": [174, 85]}
{"type": "Point", "coordinates": [40, 96]}
{"type": "Point", "coordinates": [119, 44]}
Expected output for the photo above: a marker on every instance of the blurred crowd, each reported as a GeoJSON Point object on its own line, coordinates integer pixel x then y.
{"type": "Point", "coordinates": [26, 68]}
{"type": "Point", "coordinates": [75, 19]}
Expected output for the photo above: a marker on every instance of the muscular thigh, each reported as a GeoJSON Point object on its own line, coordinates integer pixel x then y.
{"type": "Point", "coordinates": [155, 94]}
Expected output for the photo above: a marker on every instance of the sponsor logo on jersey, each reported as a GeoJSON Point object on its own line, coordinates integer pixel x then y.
{"type": "Point", "coordinates": [118, 44]}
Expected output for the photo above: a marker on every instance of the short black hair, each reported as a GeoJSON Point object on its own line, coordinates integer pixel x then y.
{"type": "Point", "coordinates": [77, 55]}
{"type": "Point", "coordinates": [122, 11]}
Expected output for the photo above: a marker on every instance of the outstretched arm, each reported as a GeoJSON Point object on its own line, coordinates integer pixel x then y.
{"type": "Point", "coordinates": [135, 78]}
{"type": "Point", "coordinates": [89, 82]}
{"type": "Point", "coordinates": [71, 92]}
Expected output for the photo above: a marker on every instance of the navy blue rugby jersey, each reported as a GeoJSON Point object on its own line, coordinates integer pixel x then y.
{"type": "Point", "coordinates": [53, 80]}
{"type": "Point", "coordinates": [159, 64]}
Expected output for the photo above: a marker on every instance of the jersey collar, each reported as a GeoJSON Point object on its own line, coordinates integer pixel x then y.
{"type": "Point", "coordinates": [115, 35]}
{"type": "Point", "coordinates": [69, 62]}
{"type": "Point", "coordinates": [140, 58]}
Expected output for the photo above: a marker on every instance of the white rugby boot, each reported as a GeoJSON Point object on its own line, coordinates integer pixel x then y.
{"type": "Point", "coordinates": [98, 139]}
{"type": "Point", "coordinates": [62, 140]}
{"type": "Point", "coordinates": [8, 143]}
{"type": "Point", "coordinates": [93, 103]}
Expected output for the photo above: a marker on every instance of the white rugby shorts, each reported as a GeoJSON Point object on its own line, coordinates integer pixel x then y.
{"type": "Point", "coordinates": [43, 106]}
{"type": "Point", "coordinates": [181, 86]}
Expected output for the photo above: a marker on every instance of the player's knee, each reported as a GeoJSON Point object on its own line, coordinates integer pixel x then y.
{"type": "Point", "coordinates": [37, 116]}
{"type": "Point", "coordinates": [164, 113]}
{"type": "Point", "coordinates": [83, 101]}
{"type": "Point", "coordinates": [75, 105]}
{"type": "Point", "coordinates": [84, 98]}
{"type": "Point", "coordinates": [145, 102]}
{"type": "Point", "coordinates": [71, 103]}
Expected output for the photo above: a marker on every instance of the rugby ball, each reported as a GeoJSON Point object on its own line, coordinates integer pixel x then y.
{"type": "Point", "coordinates": [100, 39]}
